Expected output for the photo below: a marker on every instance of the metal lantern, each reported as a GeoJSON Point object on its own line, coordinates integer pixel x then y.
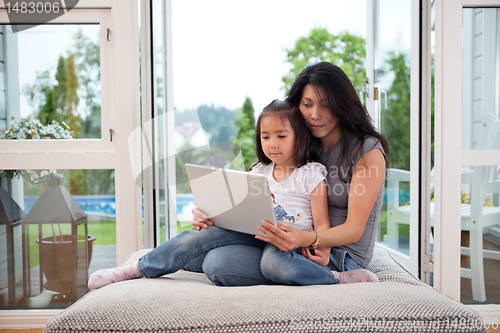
{"type": "Point", "coordinates": [64, 258]}
{"type": "Point", "coordinates": [11, 221]}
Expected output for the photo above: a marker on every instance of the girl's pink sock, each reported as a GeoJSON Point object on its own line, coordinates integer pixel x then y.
{"type": "Point", "coordinates": [103, 277]}
{"type": "Point", "coordinates": [356, 275]}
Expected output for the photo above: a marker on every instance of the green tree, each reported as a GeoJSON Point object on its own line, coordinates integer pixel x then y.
{"type": "Point", "coordinates": [396, 119]}
{"type": "Point", "coordinates": [49, 109]}
{"type": "Point", "coordinates": [71, 115]}
{"type": "Point", "coordinates": [88, 69]}
{"type": "Point", "coordinates": [60, 89]}
{"type": "Point", "coordinates": [246, 133]}
{"type": "Point", "coordinates": [344, 50]}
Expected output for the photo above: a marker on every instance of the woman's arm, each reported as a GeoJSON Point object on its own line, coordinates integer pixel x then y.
{"type": "Point", "coordinates": [366, 181]}
{"type": "Point", "coordinates": [321, 221]}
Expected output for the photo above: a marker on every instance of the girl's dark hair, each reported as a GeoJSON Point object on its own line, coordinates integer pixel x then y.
{"type": "Point", "coordinates": [344, 104]}
{"type": "Point", "coordinates": [303, 138]}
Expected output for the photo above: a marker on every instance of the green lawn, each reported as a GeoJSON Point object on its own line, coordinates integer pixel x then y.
{"type": "Point", "coordinates": [104, 232]}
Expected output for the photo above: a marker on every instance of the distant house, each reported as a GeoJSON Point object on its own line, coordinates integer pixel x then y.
{"type": "Point", "coordinates": [191, 133]}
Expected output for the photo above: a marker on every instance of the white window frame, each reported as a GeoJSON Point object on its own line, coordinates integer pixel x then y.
{"type": "Point", "coordinates": [420, 135]}
{"type": "Point", "coordinates": [120, 112]}
{"type": "Point", "coordinates": [151, 166]}
{"type": "Point", "coordinates": [449, 156]}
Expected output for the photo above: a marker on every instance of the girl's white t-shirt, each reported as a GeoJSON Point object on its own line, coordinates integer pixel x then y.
{"type": "Point", "coordinates": [291, 196]}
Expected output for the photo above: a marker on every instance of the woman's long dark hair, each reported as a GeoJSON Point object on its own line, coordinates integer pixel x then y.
{"type": "Point", "coordinates": [303, 138]}
{"type": "Point", "coordinates": [343, 103]}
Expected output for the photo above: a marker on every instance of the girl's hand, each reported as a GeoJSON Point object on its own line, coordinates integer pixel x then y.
{"type": "Point", "coordinates": [200, 219]}
{"type": "Point", "coordinates": [284, 237]}
{"type": "Point", "coordinates": [319, 257]}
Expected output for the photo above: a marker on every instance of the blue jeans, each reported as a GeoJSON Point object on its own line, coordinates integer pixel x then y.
{"type": "Point", "coordinates": [188, 248]}
{"type": "Point", "coordinates": [229, 258]}
{"type": "Point", "coordinates": [240, 265]}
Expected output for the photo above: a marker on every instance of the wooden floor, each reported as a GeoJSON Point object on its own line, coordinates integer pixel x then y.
{"type": "Point", "coordinates": [491, 273]}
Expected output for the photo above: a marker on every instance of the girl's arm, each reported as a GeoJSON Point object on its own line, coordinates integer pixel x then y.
{"type": "Point", "coordinates": [365, 185]}
{"type": "Point", "coordinates": [200, 219]}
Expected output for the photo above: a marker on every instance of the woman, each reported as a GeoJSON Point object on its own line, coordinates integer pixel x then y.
{"type": "Point", "coordinates": [354, 154]}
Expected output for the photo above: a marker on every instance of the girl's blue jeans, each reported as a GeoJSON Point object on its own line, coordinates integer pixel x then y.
{"type": "Point", "coordinates": [230, 258]}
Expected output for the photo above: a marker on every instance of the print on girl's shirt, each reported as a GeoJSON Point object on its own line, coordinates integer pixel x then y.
{"type": "Point", "coordinates": [282, 215]}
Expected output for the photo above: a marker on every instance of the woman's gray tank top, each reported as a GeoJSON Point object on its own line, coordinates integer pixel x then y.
{"type": "Point", "coordinates": [338, 194]}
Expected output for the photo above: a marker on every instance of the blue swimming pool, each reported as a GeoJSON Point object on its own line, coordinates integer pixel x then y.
{"type": "Point", "coordinates": [105, 204]}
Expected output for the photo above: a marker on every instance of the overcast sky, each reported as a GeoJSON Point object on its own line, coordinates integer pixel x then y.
{"type": "Point", "coordinates": [225, 50]}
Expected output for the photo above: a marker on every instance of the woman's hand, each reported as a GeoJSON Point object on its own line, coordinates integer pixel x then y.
{"type": "Point", "coordinates": [200, 219]}
{"type": "Point", "coordinates": [320, 257]}
{"type": "Point", "coordinates": [285, 237]}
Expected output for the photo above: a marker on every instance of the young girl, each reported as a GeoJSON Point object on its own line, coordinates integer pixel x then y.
{"type": "Point", "coordinates": [283, 147]}
{"type": "Point", "coordinates": [298, 187]}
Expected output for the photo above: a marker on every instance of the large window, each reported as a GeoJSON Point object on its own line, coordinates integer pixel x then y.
{"type": "Point", "coordinates": [63, 153]}
{"type": "Point", "coordinates": [225, 68]}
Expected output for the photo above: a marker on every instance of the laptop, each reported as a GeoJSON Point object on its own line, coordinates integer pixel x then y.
{"type": "Point", "coordinates": [232, 199]}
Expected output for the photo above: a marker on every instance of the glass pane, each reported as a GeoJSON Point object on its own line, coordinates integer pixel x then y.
{"type": "Point", "coordinates": [480, 130]}
{"type": "Point", "coordinates": [52, 76]}
{"type": "Point", "coordinates": [161, 205]}
{"type": "Point", "coordinates": [480, 210]}
{"type": "Point", "coordinates": [480, 74]}
{"type": "Point", "coordinates": [227, 69]}
{"type": "Point", "coordinates": [392, 80]}
{"type": "Point", "coordinates": [59, 212]}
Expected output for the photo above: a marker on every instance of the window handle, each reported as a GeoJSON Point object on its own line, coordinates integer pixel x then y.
{"type": "Point", "coordinates": [384, 93]}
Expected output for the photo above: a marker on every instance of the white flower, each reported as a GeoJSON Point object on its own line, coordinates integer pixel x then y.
{"type": "Point", "coordinates": [34, 129]}
{"type": "Point", "coordinates": [65, 125]}
{"type": "Point", "coordinates": [33, 175]}
{"type": "Point", "coordinates": [44, 173]}
{"type": "Point", "coordinates": [53, 171]}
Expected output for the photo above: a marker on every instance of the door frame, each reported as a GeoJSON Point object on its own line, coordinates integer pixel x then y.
{"type": "Point", "coordinates": [420, 113]}
{"type": "Point", "coordinates": [449, 156]}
